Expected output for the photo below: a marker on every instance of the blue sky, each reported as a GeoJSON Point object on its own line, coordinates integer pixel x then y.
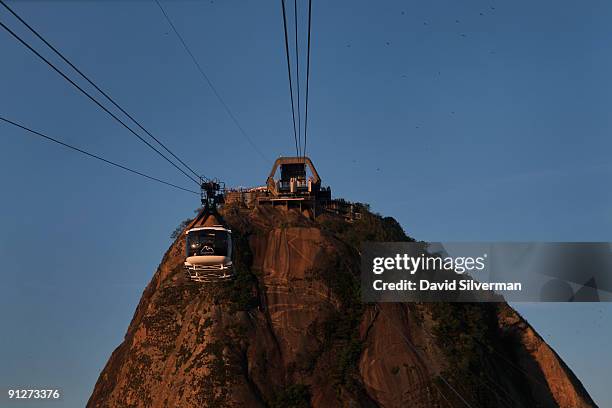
{"type": "Point", "coordinates": [462, 126]}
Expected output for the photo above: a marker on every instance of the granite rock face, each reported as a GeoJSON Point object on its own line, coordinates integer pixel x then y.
{"type": "Point", "coordinates": [291, 331]}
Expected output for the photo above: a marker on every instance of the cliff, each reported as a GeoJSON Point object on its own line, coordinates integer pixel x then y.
{"type": "Point", "coordinates": [290, 331]}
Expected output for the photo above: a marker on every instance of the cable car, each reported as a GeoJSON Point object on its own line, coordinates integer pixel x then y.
{"type": "Point", "coordinates": [208, 242]}
{"type": "Point", "coordinates": [209, 253]}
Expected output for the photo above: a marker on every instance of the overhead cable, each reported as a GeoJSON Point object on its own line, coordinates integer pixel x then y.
{"type": "Point", "coordinates": [86, 153]}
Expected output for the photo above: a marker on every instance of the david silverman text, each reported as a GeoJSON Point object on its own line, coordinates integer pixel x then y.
{"type": "Point", "coordinates": [464, 284]}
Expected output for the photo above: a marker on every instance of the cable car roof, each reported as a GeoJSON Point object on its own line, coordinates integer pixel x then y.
{"type": "Point", "coordinates": [214, 227]}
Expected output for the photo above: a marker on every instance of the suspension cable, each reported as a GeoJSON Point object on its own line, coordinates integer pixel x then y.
{"type": "Point", "coordinates": [95, 156]}
{"type": "Point", "coordinates": [307, 77]}
{"type": "Point", "coordinates": [90, 81]}
{"type": "Point", "coordinates": [290, 80]}
{"type": "Point", "coordinates": [209, 82]}
{"type": "Point", "coordinates": [95, 101]}
{"type": "Point", "coordinates": [297, 74]}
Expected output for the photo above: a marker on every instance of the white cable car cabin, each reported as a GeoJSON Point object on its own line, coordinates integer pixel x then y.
{"type": "Point", "coordinates": [209, 251]}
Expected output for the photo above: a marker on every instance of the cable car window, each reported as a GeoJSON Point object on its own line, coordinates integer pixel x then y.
{"type": "Point", "coordinates": [207, 243]}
